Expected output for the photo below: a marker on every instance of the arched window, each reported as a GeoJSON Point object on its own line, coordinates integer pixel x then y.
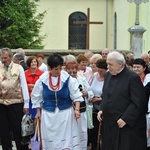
{"type": "Point", "coordinates": [77, 30]}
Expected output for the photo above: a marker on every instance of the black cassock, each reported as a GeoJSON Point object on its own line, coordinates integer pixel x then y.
{"type": "Point", "coordinates": [124, 97]}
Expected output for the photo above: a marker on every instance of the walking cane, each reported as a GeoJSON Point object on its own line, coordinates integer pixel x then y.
{"type": "Point", "coordinates": [98, 137]}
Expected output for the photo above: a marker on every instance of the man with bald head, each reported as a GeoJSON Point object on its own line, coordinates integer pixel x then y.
{"type": "Point", "coordinates": [145, 57]}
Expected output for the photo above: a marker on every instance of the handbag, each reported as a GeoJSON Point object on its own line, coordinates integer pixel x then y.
{"type": "Point", "coordinates": [27, 126]}
{"type": "Point", "coordinates": [89, 112]}
{"type": "Point", "coordinates": [35, 140]}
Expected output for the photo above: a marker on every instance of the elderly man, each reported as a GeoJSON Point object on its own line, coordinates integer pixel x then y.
{"type": "Point", "coordinates": [13, 90]}
{"type": "Point", "coordinates": [21, 52]}
{"type": "Point", "coordinates": [18, 59]}
{"type": "Point", "coordinates": [123, 107]}
{"type": "Point", "coordinates": [105, 53]}
{"type": "Point", "coordinates": [145, 57]}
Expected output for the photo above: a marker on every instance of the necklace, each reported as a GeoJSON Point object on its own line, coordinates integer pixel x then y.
{"type": "Point", "coordinates": [54, 87]}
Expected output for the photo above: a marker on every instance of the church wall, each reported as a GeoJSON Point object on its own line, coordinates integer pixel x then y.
{"type": "Point", "coordinates": [145, 22]}
{"type": "Point", "coordinates": [121, 7]}
{"type": "Point", "coordinates": [126, 13]}
{"type": "Point", "coordinates": [56, 21]}
{"type": "Point", "coordinates": [110, 29]}
{"type": "Point", "coordinates": [101, 36]}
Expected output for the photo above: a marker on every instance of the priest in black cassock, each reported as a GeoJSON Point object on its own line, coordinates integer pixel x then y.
{"type": "Point", "coordinates": [123, 108]}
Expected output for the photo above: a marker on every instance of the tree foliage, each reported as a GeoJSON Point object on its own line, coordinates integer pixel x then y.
{"type": "Point", "coordinates": [19, 24]}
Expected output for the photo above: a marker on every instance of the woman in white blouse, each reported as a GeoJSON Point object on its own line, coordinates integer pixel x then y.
{"type": "Point", "coordinates": [85, 88]}
{"type": "Point", "coordinates": [96, 86]}
{"type": "Point", "coordinates": [54, 92]}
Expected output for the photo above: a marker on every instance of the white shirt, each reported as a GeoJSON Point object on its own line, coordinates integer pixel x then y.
{"type": "Point", "coordinates": [43, 67]}
{"type": "Point", "coordinates": [146, 80]}
{"type": "Point", "coordinates": [24, 87]}
{"type": "Point", "coordinates": [37, 92]}
{"type": "Point", "coordinates": [85, 85]}
{"type": "Point", "coordinates": [97, 86]}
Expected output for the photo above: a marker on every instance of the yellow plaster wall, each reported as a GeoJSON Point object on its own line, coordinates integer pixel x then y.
{"type": "Point", "coordinates": [56, 21]}
{"type": "Point", "coordinates": [110, 24]}
{"type": "Point", "coordinates": [121, 8]}
{"type": "Point", "coordinates": [58, 11]}
{"type": "Point", "coordinates": [145, 22]}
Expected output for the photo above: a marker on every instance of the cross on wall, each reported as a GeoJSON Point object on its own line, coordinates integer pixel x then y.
{"type": "Point", "coordinates": [88, 22]}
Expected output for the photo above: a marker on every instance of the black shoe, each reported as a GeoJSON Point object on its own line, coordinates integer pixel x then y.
{"type": "Point", "coordinates": [25, 140]}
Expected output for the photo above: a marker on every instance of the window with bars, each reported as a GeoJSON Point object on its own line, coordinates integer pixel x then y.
{"type": "Point", "coordinates": [77, 30]}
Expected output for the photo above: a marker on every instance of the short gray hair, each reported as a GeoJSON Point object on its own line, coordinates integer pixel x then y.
{"type": "Point", "coordinates": [118, 57]}
{"type": "Point", "coordinates": [8, 50]}
{"type": "Point", "coordinates": [18, 57]}
{"type": "Point", "coordinates": [20, 51]}
{"type": "Point", "coordinates": [71, 58]}
{"type": "Point", "coordinates": [88, 52]}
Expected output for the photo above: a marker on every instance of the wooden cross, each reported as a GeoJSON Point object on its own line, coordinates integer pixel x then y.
{"type": "Point", "coordinates": [88, 22]}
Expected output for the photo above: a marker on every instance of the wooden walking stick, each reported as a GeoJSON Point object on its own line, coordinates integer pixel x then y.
{"type": "Point", "coordinates": [98, 137]}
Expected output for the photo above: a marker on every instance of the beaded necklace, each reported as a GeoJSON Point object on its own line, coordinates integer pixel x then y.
{"type": "Point", "coordinates": [54, 87]}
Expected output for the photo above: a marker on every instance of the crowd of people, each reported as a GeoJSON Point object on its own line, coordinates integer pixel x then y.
{"type": "Point", "coordinates": [116, 85]}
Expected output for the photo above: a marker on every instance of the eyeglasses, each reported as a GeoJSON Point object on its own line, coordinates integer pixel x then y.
{"type": "Point", "coordinates": [72, 72]}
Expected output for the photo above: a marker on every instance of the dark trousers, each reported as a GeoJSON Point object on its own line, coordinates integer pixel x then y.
{"type": "Point", "coordinates": [94, 132]}
{"type": "Point", "coordinates": [11, 117]}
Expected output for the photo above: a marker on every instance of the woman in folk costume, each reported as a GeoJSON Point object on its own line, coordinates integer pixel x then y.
{"type": "Point", "coordinates": [54, 92]}
{"type": "Point", "coordinates": [140, 67]}
{"type": "Point", "coordinates": [87, 94]}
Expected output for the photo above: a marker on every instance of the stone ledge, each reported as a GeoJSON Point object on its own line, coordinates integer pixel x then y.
{"type": "Point", "coordinates": [47, 52]}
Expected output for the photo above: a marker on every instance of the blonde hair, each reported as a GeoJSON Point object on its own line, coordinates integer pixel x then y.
{"type": "Point", "coordinates": [95, 57]}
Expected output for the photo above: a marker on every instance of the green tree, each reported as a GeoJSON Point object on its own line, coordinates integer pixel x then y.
{"type": "Point", "coordinates": [19, 24]}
